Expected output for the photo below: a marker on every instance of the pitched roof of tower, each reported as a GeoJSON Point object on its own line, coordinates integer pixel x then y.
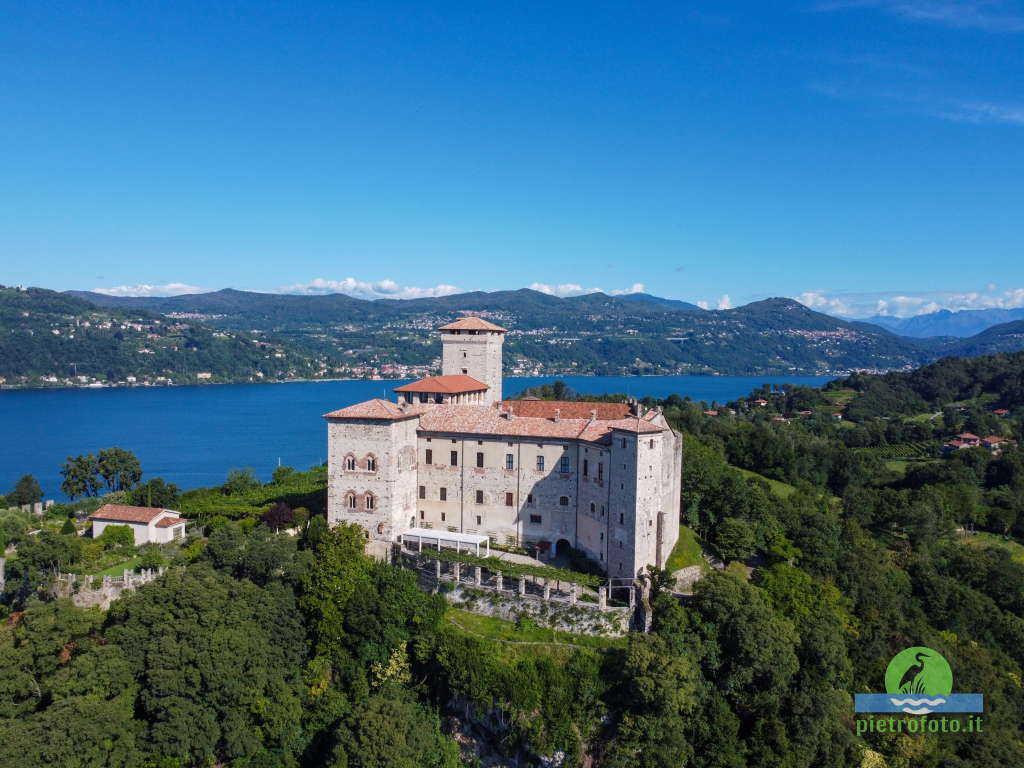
{"type": "Point", "coordinates": [375, 409]}
{"type": "Point", "coordinates": [453, 384]}
{"type": "Point", "coordinates": [472, 324]}
{"type": "Point", "coordinates": [545, 409]}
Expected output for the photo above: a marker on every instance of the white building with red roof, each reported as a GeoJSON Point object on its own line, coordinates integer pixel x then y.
{"type": "Point", "coordinates": [452, 456]}
{"type": "Point", "coordinates": [150, 525]}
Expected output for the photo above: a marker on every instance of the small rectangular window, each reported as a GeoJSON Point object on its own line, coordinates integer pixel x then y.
{"type": "Point", "coordinates": [536, 519]}
{"type": "Point", "coordinates": [564, 465]}
{"type": "Point", "coordinates": [508, 500]}
{"type": "Point", "coordinates": [600, 471]}
{"type": "Point", "coordinates": [529, 498]}
{"type": "Point", "coordinates": [455, 459]}
{"type": "Point", "coordinates": [540, 463]}
{"type": "Point", "coordinates": [622, 518]}
{"type": "Point", "coordinates": [510, 461]}
{"type": "Point", "coordinates": [422, 514]}
{"type": "Point", "coordinates": [480, 458]}
{"type": "Point", "coordinates": [423, 491]}
{"type": "Point", "coordinates": [586, 468]}
{"type": "Point", "coordinates": [479, 497]}
{"type": "Point", "coordinates": [478, 520]}
{"type": "Point", "coordinates": [442, 517]}
{"type": "Point", "coordinates": [430, 457]}
{"type": "Point", "coordinates": [444, 494]}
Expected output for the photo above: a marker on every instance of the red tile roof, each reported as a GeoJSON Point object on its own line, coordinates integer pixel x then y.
{"type": "Point", "coordinates": [375, 409]}
{"type": "Point", "coordinates": [545, 409]}
{"type": "Point", "coordinates": [167, 522]}
{"type": "Point", "coordinates": [472, 324]}
{"type": "Point", "coordinates": [486, 420]}
{"type": "Point", "coordinates": [452, 385]}
{"type": "Point", "coordinates": [994, 440]}
{"type": "Point", "coordinates": [968, 436]}
{"type": "Point", "coordinates": [126, 514]}
{"type": "Point", "coordinates": [1001, 411]}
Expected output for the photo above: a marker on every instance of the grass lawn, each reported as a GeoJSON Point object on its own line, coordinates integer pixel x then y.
{"type": "Point", "coordinates": [117, 570]}
{"type": "Point", "coordinates": [686, 552]}
{"type": "Point", "coordinates": [986, 539]}
{"type": "Point", "coordinates": [779, 488]}
{"type": "Point", "coordinates": [530, 637]}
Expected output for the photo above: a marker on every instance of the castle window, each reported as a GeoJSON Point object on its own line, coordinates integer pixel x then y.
{"type": "Point", "coordinates": [465, 371]}
{"type": "Point", "coordinates": [424, 397]}
{"type": "Point", "coordinates": [350, 463]}
{"type": "Point", "coordinates": [602, 535]}
{"type": "Point", "coordinates": [622, 518]}
{"type": "Point", "coordinates": [600, 471]}
{"type": "Point", "coordinates": [380, 528]}
{"type": "Point", "coordinates": [593, 508]}
{"type": "Point", "coordinates": [463, 354]}
{"type": "Point", "coordinates": [586, 468]}
{"type": "Point", "coordinates": [442, 517]}
{"type": "Point", "coordinates": [536, 519]}
{"type": "Point", "coordinates": [423, 515]}
{"type": "Point", "coordinates": [444, 494]}
{"type": "Point", "coordinates": [652, 442]}
{"type": "Point", "coordinates": [479, 497]}
{"type": "Point", "coordinates": [454, 441]}
{"type": "Point", "coordinates": [479, 520]}
{"type": "Point", "coordinates": [508, 500]}
{"type": "Point", "coordinates": [369, 501]}
{"type": "Point", "coordinates": [351, 500]}
{"type": "Point", "coordinates": [623, 442]}
{"type": "Point", "coordinates": [510, 461]}
{"type": "Point", "coordinates": [438, 398]}
{"type": "Point", "coordinates": [423, 491]}
{"type": "Point", "coordinates": [371, 464]}
{"type": "Point", "coordinates": [480, 458]}
{"type": "Point", "coordinates": [430, 457]}
{"type": "Point", "coordinates": [455, 459]}
{"type": "Point", "coordinates": [563, 501]}
{"type": "Point", "coordinates": [563, 465]}
{"type": "Point", "coordinates": [540, 463]}
{"type": "Point", "coordinates": [529, 498]}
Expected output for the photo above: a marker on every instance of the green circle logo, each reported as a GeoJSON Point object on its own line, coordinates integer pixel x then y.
{"type": "Point", "coordinates": [920, 671]}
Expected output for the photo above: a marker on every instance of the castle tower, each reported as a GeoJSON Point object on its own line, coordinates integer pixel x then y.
{"type": "Point", "coordinates": [471, 346]}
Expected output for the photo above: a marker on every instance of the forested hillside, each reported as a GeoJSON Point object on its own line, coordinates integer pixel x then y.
{"type": "Point", "coordinates": [263, 649]}
{"type": "Point", "coordinates": [53, 339]}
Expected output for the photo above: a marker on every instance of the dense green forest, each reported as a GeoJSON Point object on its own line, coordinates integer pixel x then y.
{"type": "Point", "coordinates": [261, 649]}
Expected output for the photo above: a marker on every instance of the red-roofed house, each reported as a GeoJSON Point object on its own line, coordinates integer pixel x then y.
{"type": "Point", "coordinates": [1002, 412]}
{"type": "Point", "coordinates": [453, 457]}
{"type": "Point", "coordinates": [968, 439]}
{"type": "Point", "coordinates": [148, 524]}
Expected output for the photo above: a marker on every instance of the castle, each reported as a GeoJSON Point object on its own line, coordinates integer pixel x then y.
{"type": "Point", "coordinates": [451, 456]}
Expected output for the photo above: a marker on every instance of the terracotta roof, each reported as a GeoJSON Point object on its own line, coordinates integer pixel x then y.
{"type": "Point", "coordinates": [545, 409]}
{"type": "Point", "coordinates": [453, 384]}
{"type": "Point", "coordinates": [167, 522]}
{"type": "Point", "coordinates": [485, 420]}
{"type": "Point", "coordinates": [126, 514]}
{"type": "Point", "coordinates": [968, 436]}
{"type": "Point", "coordinates": [375, 409]}
{"type": "Point", "coordinates": [955, 443]}
{"type": "Point", "coordinates": [994, 439]}
{"type": "Point", "coordinates": [472, 324]}
{"type": "Point", "coordinates": [1001, 411]}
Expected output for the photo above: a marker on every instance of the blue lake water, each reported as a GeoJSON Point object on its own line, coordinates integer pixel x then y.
{"type": "Point", "coordinates": [192, 436]}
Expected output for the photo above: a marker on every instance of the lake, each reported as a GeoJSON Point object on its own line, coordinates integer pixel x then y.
{"type": "Point", "coordinates": [192, 436]}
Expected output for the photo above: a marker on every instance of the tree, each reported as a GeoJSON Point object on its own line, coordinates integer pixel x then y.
{"type": "Point", "coordinates": [240, 481]}
{"type": "Point", "coordinates": [26, 491]}
{"type": "Point", "coordinates": [278, 516]}
{"type": "Point", "coordinates": [117, 536]}
{"type": "Point", "coordinates": [733, 539]}
{"type": "Point", "coordinates": [155, 493]}
{"type": "Point", "coordinates": [69, 527]}
{"type": "Point", "coordinates": [80, 476]}
{"type": "Point", "coordinates": [119, 469]}
{"type": "Point", "coordinates": [281, 474]}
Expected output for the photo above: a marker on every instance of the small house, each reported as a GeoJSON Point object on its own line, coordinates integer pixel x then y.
{"type": "Point", "coordinates": [150, 525]}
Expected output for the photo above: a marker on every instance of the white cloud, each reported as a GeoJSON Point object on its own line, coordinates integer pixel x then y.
{"type": "Point", "coordinates": [983, 112]}
{"type": "Point", "coordinates": [725, 302]}
{"type": "Point", "coordinates": [987, 15]}
{"type": "Point", "coordinates": [703, 305]}
{"type": "Point", "coordinates": [380, 289]}
{"type": "Point", "coordinates": [575, 289]}
{"type": "Point", "coordinates": [144, 289]}
{"type": "Point", "coordinates": [906, 304]}
{"type": "Point", "coordinates": [634, 288]}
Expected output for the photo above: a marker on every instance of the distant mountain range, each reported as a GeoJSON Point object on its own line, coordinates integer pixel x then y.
{"type": "Point", "coordinates": [284, 336]}
{"type": "Point", "coordinates": [964, 323]}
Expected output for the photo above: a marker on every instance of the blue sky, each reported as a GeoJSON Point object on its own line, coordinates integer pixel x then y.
{"type": "Point", "coordinates": [846, 153]}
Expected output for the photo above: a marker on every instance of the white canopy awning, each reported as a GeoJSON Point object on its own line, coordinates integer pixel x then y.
{"type": "Point", "coordinates": [472, 541]}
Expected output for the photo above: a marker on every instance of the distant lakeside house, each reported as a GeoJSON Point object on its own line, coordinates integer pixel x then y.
{"type": "Point", "coordinates": [150, 525]}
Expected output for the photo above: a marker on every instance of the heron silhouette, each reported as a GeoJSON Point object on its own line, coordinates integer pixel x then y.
{"type": "Point", "coordinates": [913, 671]}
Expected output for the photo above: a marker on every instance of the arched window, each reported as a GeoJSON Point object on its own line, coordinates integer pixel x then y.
{"type": "Point", "coordinates": [371, 464]}
{"type": "Point", "coordinates": [593, 508]}
{"type": "Point", "coordinates": [369, 501]}
{"type": "Point", "coordinates": [380, 528]}
{"type": "Point", "coordinates": [351, 500]}
{"type": "Point", "coordinates": [563, 501]}
{"type": "Point", "coordinates": [350, 463]}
